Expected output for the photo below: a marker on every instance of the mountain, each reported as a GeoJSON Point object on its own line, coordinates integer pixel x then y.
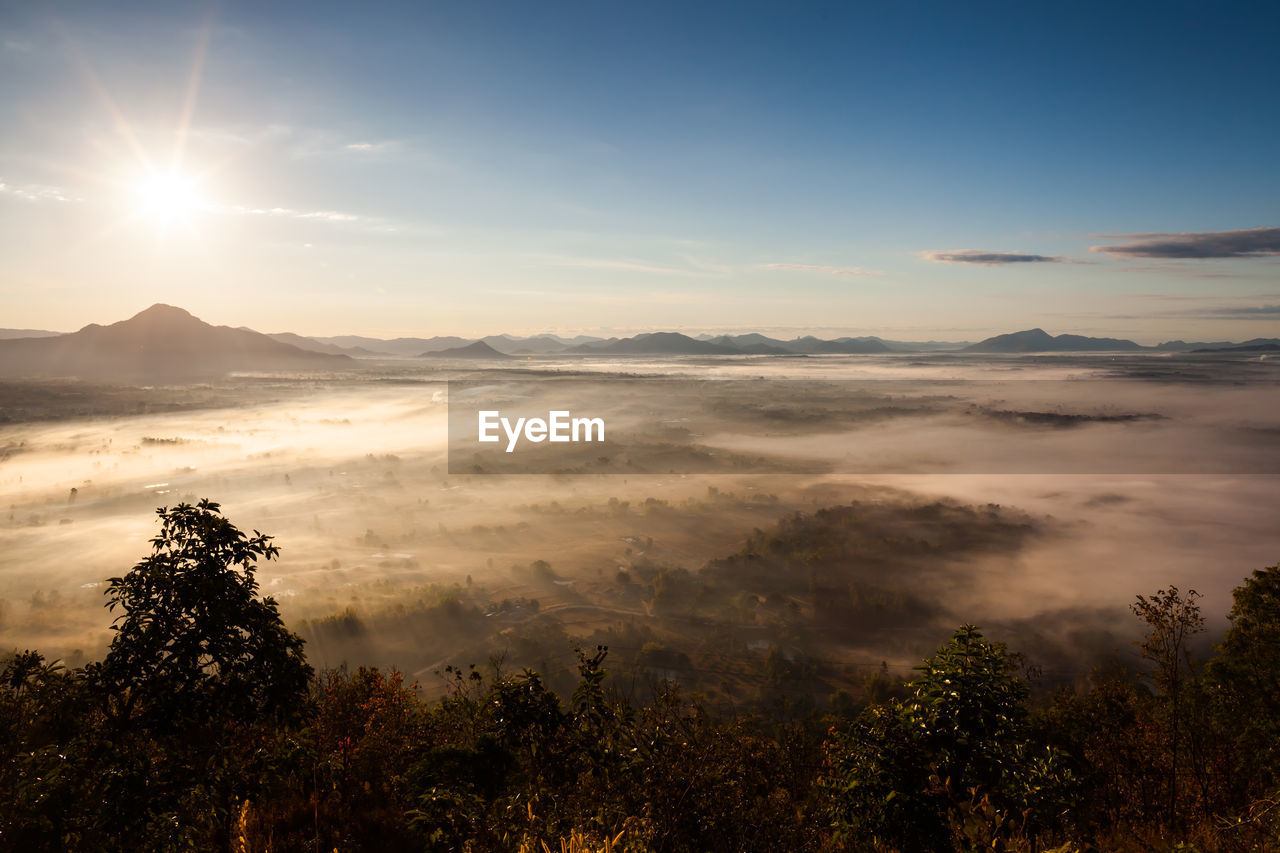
{"type": "Point", "coordinates": [1184, 346]}
{"type": "Point", "coordinates": [161, 342]}
{"type": "Point", "coordinates": [675, 343]}
{"type": "Point", "coordinates": [313, 345]}
{"type": "Point", "coordinates": [811, 345]}
{"type": "Point", "coordinates": [8, 334]}
{"type": "Point", "coordinates": [476, 349]}
{"type": "Point", "coordinates": [1038, 340]}
{"type": "Point", "coordinates": [1202, 346]}
{"type": "Point", "coordinates": [917, 346]}
{"type": "Point", "coordinates": [808, 345]}
{"type": "Point", "coordinates": [396, 346]}
{"type": "Point", "coordinates": [509, 344]}
{"type": "Point", "coordinates": [536, 345]}
{"type": "Point", "coordinates": [656, 343]}
{"type": "Point", "coordinates": [748, 340]}
{"type": "Point", "coordinates": [1257, 345]}
{"type": "Point", "coordinates": [752, 343]}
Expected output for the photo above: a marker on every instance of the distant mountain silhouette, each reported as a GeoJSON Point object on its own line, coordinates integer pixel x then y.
{"type": "Point", "coordinates": [313, 345]}
{"type": "Point", "coordinates": [396, 346]}
{"type": "Point", "coordinates": [478, 349]}
{"type": "Point", "coordinates": [811, 345]}
{"type": "Point", "coordinates": [1038, 340]}
{"type": "Point", "coordinates": [161, 342]}
{"type": "Point", "coordinates": [7, 334]}
{"type": "Point", "coordinates": [656, 343]}
{"type": "Point", "coordinates": [739, 341]}
{"type": "Point", "coordinates": [1259, 345]}
{"type": "Point", "coordinates": [751, 343]}
{"type": "Point", "coordinates": [807, 345]}
{"type": "Point", "coordinates": [547, 344]}
{"type": "Point", "coordinates": [1194, 346]}
{"type": "Point", "coordinates": [536, 345]}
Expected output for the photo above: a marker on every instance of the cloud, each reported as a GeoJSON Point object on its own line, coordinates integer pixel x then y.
{"type": "Point", "coordinates": [1245, 243]}
{"type": "Point", "coordinates": [1208, 312]}
{"type": "Point", "coordinates": [323, 215]}
{"type": "Point", "coordinates": [333, 217]}
{"type": "Point", "coordinates": [364, 146]}
{"type": "Point", "coordinates": [989, 259]}
{"type": "Point", "coordinates": [36, 192]}
{"type": "Point", "coordinates": [1270, 310]}
{"type": "Point", "coordinates": [1253, 312]}
{"type": "Point", "coordinates": [826, 270]}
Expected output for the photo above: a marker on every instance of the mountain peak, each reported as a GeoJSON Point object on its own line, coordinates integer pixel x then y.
{"type": "Point", "coordinates": [162, 341]}
{"type": "Point", "coordinates": [161, 311]}
{"type": "Point", "coordinates": [1038, 340]}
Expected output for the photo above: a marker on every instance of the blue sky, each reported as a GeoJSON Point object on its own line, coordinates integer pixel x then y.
{"type": "Point", "coordinates": [913, 170]}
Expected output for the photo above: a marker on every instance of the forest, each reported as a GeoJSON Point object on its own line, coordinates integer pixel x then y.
{"type": "Point", "coordinates": [204, 727]}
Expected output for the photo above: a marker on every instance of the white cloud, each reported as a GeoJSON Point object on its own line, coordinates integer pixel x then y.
{"type": "Point", "coordinates": [36, 192]}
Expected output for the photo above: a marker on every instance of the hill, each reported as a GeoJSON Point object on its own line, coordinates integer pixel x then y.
{"type": "Point", "coordinates": [162, 342]}
{"type": "Point", "coordinates": [811, 345]}
{"type": "Point", "coordinates": [7, 334]}
{"type": "Point", "coordinates": [313, 345]}
{"type": "Point", "coordinates": [536, 345]}
{"type": "Point", "coordinates": [395, 346]}
{"type": "Point", "coordinates": [656, 343]}
{"type": "Point", "coordinates": [478, 349]}
{"type": "Point", "coordinates": [1038, 340]}
{"type": "Point", "coordinates": [1260, 346]}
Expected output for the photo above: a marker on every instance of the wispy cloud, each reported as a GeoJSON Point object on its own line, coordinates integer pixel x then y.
{"type": "Point", "coordinates": [989, 259]}
{"type": "Point", "coordinates": [290, 213]}
{"type": "Point", "coordinates": [365, 146]}
{"type": "Point", "coordinates": [1269, 313]}
{"type": "Point", "coordinates": [1244, 243]}
{"type": "Point", "coordinates": [825, 270]}
{"type": "Point", "coordinates": [1253, 312]}
{"type": "Point", "coordinates": [36, 192]}
{"type": "Point", "coordinates": [331, 217]}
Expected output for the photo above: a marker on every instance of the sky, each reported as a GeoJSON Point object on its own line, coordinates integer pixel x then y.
{"type": "Point", "coordinates": [914, 170]}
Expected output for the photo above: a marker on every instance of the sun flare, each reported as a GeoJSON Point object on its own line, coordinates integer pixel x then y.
{"type": "Point", "coordinates": [168, 198]}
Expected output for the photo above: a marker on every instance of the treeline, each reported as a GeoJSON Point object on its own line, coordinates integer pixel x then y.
{"type": "Point", "coordinates": [204, 728]}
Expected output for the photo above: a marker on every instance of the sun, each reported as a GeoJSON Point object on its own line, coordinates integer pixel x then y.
{"type": "Point", "coordinates": [168, 198]}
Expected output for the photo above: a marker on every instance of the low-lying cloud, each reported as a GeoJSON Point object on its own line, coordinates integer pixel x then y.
{"type": "Point", "coordinates": [1244, 243]}
{"type": "Point", "coordinates": [1254, 312]}
{"type": "Point", "coordinates": [989, 259]}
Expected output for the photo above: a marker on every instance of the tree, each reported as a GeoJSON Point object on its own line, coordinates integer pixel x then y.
{"type": "Point", "coordinates": [200, 685]}
{"type": "Point", "coordinates": [953, 762]}
{"type": "Point", "coordinates": [1171, 620]}
{"type": "Point", "coordinates": [1244, 679]}
{"type": "Point", "coordinates": [193, 641]}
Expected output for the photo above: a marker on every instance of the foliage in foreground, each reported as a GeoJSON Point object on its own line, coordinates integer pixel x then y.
{"type": "Point", "coordinates": [204, 729]}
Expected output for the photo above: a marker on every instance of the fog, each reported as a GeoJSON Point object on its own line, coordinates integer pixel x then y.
{"type": "Point", "coordinates": [1112, 477]}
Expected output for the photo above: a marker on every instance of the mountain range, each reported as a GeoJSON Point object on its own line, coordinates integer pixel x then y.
{"type": "Point", "coordinates": [1038, 340]}
{"type": "Point", "coordinates": [167, 342]}
{"type": "Point", "coordinates": [161, 342]}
